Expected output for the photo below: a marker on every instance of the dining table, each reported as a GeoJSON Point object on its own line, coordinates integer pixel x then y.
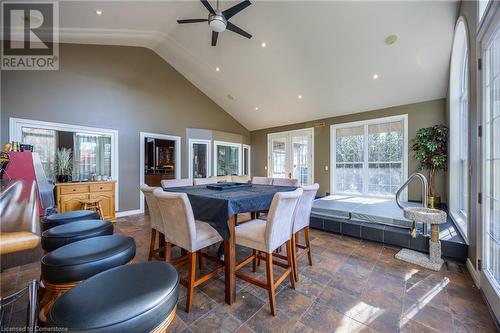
{"type": "Point", "coordinates": [220, 208]}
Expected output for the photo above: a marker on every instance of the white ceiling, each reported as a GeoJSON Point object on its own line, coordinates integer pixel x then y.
{"type": "Point", "coordinates": [325, 51]}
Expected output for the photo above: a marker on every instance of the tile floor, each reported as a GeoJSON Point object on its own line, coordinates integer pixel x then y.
{"type": "Point", "coordinates": [353, 286]}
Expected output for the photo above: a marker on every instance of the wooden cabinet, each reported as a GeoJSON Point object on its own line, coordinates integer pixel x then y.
{"type": "Point", "coordinates": [69, 196]}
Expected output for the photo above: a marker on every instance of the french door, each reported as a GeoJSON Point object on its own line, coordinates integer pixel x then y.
{"type": "Point", "coordinates": [490, 53]}
{"type": "Point", "coordinates": [290, 155]}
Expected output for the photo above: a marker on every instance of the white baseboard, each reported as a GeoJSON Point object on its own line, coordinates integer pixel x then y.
{"type": "Point", "coordinates": [473, 273]}
{"type": "Point", "coordinates": [129, 212]}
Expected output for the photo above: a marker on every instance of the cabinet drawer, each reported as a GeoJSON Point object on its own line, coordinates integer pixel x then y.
{"type": "Point", "coordinates": [101, 187]}
{"type": "Point", "coordinates": [74, 189]}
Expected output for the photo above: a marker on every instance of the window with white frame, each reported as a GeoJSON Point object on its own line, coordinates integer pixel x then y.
{"type": "Point", "coordinates": [199, 158]}
{"type": "Point", "coordinates": [369, 158]}
{"type": "Point", "coordinates": [459, 129]}
{"type": "Point", "coordinates": [227, 158]}
{"type": "Point", "coordinates": [246, 160]}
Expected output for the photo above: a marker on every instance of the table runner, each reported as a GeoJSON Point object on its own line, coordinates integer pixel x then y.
{"type": "Point", "coordinates": [215, 207]}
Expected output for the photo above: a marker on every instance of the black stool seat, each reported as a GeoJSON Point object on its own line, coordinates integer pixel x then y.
{"type": "Point", "coordinates": [80, 260]}
{"type": "Point", "coordinates": [75, 231]}
{"type": "Point", "coordinates": [67, 217]}
{"type": "Point", "coordinates": [131, 298]}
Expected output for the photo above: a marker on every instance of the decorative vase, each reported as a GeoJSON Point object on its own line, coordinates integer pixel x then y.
{"type": "Point", "coordinates": [433, 201]}
{"type": "Point", "coordinates": [63, 178]}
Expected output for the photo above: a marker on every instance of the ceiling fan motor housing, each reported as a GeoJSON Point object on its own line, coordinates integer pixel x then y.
{"type": "Point", "coordinates": [217, 21]}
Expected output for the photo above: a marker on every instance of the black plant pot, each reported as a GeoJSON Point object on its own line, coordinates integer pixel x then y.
{"type": "Point", "coordinates": [63, 178]}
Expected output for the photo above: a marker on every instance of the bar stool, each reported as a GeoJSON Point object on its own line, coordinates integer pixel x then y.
{"type": "Point", "coordinates": [92, 204]}
{"type": "Point", "coordinates": [54, 220]}
{"type": "Point", "coordinates": [133, 298]}
{"type": "Point", "coordinates": [65, 267]}
{"type": "Point", "coordinates": [69, 233]}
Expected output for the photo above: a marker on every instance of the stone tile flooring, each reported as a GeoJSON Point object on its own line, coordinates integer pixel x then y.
{"type": "Point", "coordinates": [353, 286]}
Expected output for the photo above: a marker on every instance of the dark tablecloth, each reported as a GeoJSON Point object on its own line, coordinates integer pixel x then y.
{"type": "Point", "coordinates": [215, 207]}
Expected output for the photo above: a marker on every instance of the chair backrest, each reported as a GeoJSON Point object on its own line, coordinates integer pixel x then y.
{"type": "Point", "coordinates": [240, 179]}
{"type": "Point", "coordinates": [178, 218]}
{"type": "Point", "coordinates": [224, 179]}
{"type": "Point", "coordinates": [153, 208]}
{"type": "Point", "coordinates": [304, 207]}
{"type": "Point", "coordinates": [204, 181]}
{"type": "Point", "coordinates": [285, 182]}
{"type": "Point", "coordinates": [262, 180]}
{"type": "Point", "coordinates": [280, 218]}
{"type": "Point", "coordinates": [168, 183]}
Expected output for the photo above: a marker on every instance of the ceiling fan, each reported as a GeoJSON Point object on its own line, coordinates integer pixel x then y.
{"type": "Point", "coordinates": [219, 20]}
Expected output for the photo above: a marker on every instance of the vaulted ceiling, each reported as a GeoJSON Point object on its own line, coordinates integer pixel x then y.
{"type": "Point", "coordinates": [327, 52]}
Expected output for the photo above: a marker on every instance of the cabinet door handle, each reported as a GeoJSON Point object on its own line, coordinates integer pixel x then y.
{"type": "Point", "coordinates": [100, 188]}
{"type": "Point", "coordinates": [74, 189]}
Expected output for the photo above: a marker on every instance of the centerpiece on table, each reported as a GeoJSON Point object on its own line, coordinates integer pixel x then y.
{"type": "Point", "coordinates": [64, 165]}
{"type": "Point", "coordinates": [431, 151]}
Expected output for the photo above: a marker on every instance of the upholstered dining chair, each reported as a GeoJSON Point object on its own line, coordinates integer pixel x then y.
{"type": "Point", "coordinates": [265, 237]}
{"type": "Point", "coordinates": [157, 226]}
{"type": "Point", "coordinates": [301, 222]}
{"type": "Point", "coordinates": [262, 180]}
{"type": "Point", "coordinates": [204, 181]}
{"type": "Point", "coordinates": [285, 182]}
{"type": "Point", "coordinates": [224, 179]}
{"type": "Point", "coordinates": [189, 234]}
{"type": "Point", "coordinates": [168, 183]}
{"type": "Point", "coordinates": [240, 179]}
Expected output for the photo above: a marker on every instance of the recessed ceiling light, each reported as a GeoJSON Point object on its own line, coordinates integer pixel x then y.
{"type": "Point", "coordinates": [98, 12]}
{"type": "Point", "coordinates": [230, 97]}
{"type": "Point", "coordinates": [263, 44]}
{"type": "Point", "coordinates": [299, 97]}
{"type": "Point", "coordinates": [256, 108]}
{"type": "Point", "coordinates": [375, 76]}
{"type": "Point", "coordinates": [217, 69]}
{"type": "Point", "coordinates": [391, 39]}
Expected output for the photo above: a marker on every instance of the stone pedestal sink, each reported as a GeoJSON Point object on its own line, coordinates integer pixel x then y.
{"type": "Point", "coordinates": [434, 217]}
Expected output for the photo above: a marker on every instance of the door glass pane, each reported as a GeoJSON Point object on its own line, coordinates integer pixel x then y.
{"type": "Point", "coordinates": [492, 159]}
{"type": "Point", "coordinates": [301, 159]}
{"type": "Point", "coordinates": [278, 158]}
{"type": "Point", "coordinates": [200, 159]}
{"type": "Point", "coordinates": [227, 160]}
{"type": "Point", "coordinates": [349, 154]}
{"type": "Point", "coordinates": [44, 143]}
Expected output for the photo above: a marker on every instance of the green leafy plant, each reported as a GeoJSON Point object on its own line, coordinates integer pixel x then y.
{"type": "Point", "coordinates": [431, 151]}
{"type": "Point", "coordinates": [64, 162]}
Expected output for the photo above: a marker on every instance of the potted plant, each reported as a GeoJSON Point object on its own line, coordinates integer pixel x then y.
{"type": "Point", "coordinates": [63, 165]}
{"type": "Point", "coordinates": [431, 151]}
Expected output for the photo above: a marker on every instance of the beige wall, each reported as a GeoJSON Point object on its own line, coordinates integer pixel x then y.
{"type": "Point", "coordinates": [129, 89]}
{"type": "Point", "coordinates": [420, 115]}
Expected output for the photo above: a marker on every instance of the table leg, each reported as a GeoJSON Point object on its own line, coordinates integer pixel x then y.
{"type": "Point", "coordinates": [230, 262]}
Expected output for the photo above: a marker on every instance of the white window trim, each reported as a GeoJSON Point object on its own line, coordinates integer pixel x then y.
{"type": "Point", "coordinates": [249, 159]}
{"type": "Point", "coordinates": [15, 134]}
{"type": "Point", "coordinates": [208, 143]}
{"type": "Point", "coordinates": [269, 167]}
{"type": "Point", "coordinates": [142, 137]}
{"type": "Point", "coordinates": [333, 152]}
{"type": "Point", "coordinates": [230, 144]}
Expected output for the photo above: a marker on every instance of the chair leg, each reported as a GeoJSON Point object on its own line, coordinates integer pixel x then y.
{"type": "Point", "coordinates": [167, 252]}
{"type": "Point", "coordinates": [308, 244]}
{"type": "Point", "coordinates": [191, 279]}
{"type": "Point", "coordinates": [291, 264]}
{"type": "Point", "coordinates": [258, 259]}
{"type": "Point", "coordinates": [202, 261]}
{"type": "Point", "coordinates": [270, 282]}
{"type": "Point", "coordinates": [99, 208]}
{"type": "Point", "coordinates": [152, 244]}
{"type": "Point", "coordinates": [254, 261]}
{"type": "Point", "coordinates": [294, 257]}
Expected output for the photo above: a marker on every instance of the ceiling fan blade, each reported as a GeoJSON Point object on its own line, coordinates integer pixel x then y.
{"type": "Point", "coordinates": [208, 6]}
{"type": "Point", "coordinates": [228, 13]}
{"type": "Point", "coordinates": [238, 30]}
{"type": "Point", "coordinates": [191, 21]}
{"type": "Point", "coordinates": [214, 38]}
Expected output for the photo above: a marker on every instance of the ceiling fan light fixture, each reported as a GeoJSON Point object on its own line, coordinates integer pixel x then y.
{"type": "Point", "coordinates": [217, 22]}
